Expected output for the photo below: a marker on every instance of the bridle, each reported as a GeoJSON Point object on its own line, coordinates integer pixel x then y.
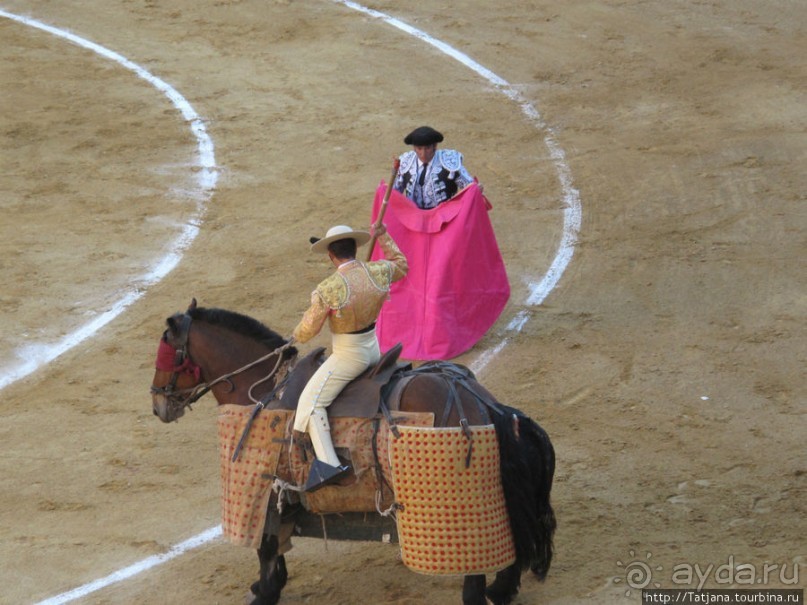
{"type": "Point", "coordinates": [183, 364]}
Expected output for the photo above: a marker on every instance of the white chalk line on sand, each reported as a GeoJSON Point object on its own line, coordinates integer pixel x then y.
{"type": "Point", "coordinates": [206, 177]}
{"type": "Point", "coordinates": [538, 291]}
{"type": "Point", "coordinates": [133, 570]}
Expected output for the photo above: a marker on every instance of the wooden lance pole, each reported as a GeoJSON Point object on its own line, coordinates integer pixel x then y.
{"type": "Point", "coordinates": [380, 219]}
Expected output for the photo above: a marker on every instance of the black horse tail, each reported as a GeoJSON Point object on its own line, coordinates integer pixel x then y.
{"type": "Point", "coordinates": [527, 468]}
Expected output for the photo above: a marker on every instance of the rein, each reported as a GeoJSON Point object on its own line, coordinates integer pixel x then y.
{"type": "Point", "coordinates": [204, 388]}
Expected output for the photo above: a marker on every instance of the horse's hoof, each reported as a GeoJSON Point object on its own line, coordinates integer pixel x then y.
{"type": "Point", "coordinates": [253, 597]}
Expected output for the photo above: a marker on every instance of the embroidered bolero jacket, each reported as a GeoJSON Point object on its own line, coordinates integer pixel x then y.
{"type": "Point", "coordinates": [351, 298]}
{"type": "Point", "coordinates": [445, 176]}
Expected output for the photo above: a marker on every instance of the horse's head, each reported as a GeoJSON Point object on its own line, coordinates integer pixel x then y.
{"type": "Point", "coordinates": [176, 375]}
{"type": "Point", "coordinates": [238, 355]}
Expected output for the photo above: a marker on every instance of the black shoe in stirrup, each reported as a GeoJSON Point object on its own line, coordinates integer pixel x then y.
{"type": "Point", "coordinates": [322, 474]}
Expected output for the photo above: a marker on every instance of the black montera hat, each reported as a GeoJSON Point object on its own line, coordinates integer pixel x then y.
{"type": "Point", "coordinates": [425, 135]}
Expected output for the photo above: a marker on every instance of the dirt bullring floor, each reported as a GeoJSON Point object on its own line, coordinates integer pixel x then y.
{"type": "Point", "coordinates": [667, 364]}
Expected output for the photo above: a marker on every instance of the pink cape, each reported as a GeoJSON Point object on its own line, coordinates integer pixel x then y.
{"type": "Point", "coordinates": [457, 285]}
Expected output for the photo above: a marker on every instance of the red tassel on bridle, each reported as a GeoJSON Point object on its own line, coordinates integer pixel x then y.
{"type": "Point", "coordinates": [166, 360]}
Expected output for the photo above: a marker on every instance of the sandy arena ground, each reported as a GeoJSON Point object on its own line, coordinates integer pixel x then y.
{"type": "Point", "coordinates": [668, 364]}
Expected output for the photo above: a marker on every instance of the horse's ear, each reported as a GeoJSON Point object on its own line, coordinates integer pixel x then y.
{"type": "Point", "coordinates": [192, 306]}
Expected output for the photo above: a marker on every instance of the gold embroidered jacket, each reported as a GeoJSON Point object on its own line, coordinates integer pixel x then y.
{"type": "Point", "coordinates": [351, 298]}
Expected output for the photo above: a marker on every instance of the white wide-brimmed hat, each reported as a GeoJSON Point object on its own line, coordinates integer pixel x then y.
{"type": "Point", "coordinates": [336, 233]}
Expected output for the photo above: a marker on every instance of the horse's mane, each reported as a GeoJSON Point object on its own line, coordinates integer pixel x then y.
{"type": "Point", "coordinates": [237, 322]}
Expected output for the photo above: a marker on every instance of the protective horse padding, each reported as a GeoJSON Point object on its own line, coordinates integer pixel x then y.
{"type": "Point", "coordinates": [246, 483]}
{"type": "Point", "coordinates": [454, 519]}
{"type": "Point", "coordinates": [355, 435]}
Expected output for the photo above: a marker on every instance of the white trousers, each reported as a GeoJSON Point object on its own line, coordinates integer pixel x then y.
{"type": "Point", "coordinates": [351, 355]}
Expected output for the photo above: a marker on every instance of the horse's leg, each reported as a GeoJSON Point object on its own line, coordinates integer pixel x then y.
{"type": "Point", "coordinates": [273, 573]}
{"type": "Point", "coordinates": [282, 573]}
{"type": "Point", "coordinates": [473, 590]}
{"type": "Point", "coordinates": [505, 586]}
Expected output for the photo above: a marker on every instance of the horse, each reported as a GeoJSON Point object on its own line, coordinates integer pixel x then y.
{"type": "Point", "coordinates": [241, 361]}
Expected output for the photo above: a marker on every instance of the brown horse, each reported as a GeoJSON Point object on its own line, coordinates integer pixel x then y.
{"type": "Point", "coordinates": [239, 360]}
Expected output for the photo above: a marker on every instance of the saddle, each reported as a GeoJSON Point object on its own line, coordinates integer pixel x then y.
{"type": "Point", "coordinates": [360, 398]}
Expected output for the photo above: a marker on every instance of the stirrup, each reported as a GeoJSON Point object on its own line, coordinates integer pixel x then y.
{"type": "Point", "coordinates": [322, 474]}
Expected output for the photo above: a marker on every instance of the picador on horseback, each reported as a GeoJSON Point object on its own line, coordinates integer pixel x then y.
{"type": "Point", "coordinates": [427, 457]}
{"type": "Point", "coordinates": [350, 301]}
